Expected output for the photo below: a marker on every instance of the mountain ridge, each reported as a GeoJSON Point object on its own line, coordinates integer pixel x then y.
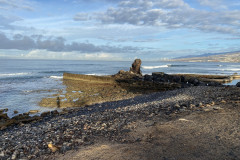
{"type": "Point", "coordinates": [211, 57]}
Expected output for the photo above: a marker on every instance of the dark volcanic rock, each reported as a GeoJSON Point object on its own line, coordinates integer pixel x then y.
{"type": "Point", "coordinates": [238, 84]}
{"type": "Point", "coordinates": [4, 116]}
{"type": "Point", "coordinates": [148, 77]}
{"type": "Point", "coordinates": [136, 66]}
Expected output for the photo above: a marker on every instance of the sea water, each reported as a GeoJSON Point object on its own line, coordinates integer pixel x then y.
{"type": "Point", "coordinates": [23, 83]}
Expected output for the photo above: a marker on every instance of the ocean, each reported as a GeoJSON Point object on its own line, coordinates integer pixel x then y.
{"type": "Point", "coordinates": [23, 83]}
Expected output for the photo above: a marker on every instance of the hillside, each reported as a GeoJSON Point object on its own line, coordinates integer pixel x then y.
{"type": "Point", "coordinates": [228, 57]}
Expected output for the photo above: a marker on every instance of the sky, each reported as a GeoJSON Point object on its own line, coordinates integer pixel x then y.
{"type": "Point", "coordinates": [117, 29]}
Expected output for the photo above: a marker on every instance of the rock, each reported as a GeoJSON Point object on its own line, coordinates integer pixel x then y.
{"type": "Point", "coordinates": [217, 108]}
{"type": "Point", "coordinates": [21, 117]}
{"type": "Point", "coordinates": [55, 112]}
{"type": "Point", "coordinates": [52, 147]}
{"type": "Point", "coordinates": [177, 106]}
{"type": "Point", "coordinates": [223, 101]}
{"type": "Point", "coordinates": [214, 84]}
{"type": "Point", "coordinates": [4, 116]}
{"type": "Point", "coordinates": [176, 79]}
{"type": "Point", "coordinates": [2, 154]}
{"type": "Point", "coordinates": [121, 72]}
{"type": "Point", "coordinates": [136, 66]}
{"type": "Point", "coordinates": [33, 111]}
{"type": "Point", "coordinates": [148, 77]}
{"type": "Point", "coordinates": [182, 78]}
{"type": "Point", "coordinates": [194, 81]}
{"type": "Point", "coordinates": [191, 106]}
{"type": "Point", "coordinates": [200, 104]}
{"type": "Point", "coordinates": [24, 118]}
{"type": "Point", "coordinates": [15, 112]}
{"type": "Point", "coordinates": [45, 114]}
{"type": "Point", "coordinates": [238, 84]}
{"type": "Point", "coordinates": [3, 110]}
{"type": "Point", "coordinates": [15, 155]}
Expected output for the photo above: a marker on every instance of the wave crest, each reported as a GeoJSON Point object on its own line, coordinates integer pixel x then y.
{"type": "Point", "coordinates": [56, 77]}
{"type": "Point", "coordinates": [155, 67]}
{"type": "Point", "coordinates": [13, 74]}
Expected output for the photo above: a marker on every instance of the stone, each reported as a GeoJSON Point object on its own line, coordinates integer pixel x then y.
{"type": "Point", "coordinates": [15, 112]}
{"type": "Point", "coordinates": [4, 116]}
{"type": "Point", "coordinates": [176, 79]}
{"type": "Point", "coordinates": [159, 76]}
{"type": "Point", "coordinates": [148, 77]}
{"type": "Point", "coordinates": [200, 104]}
{"type": "Point", "coordinates": [15, 155]}
{"type": "Point", "coordinates": [54, 112]}
{"type": "Point", "coordinates": [33, 111]}
{"type": "Point", "coordinates": [194, 81]}
{"type": "Point", "coordinates": [52, 147]}
{"type": "Point", "coordinates": [3, 110]}
{"type": "Point", "coordinates": [238, 84]}
{"type": "Point", "coordinates": [121, 72]}
{"type": "Point", "coordinates": [45, 114]}
{"type": "Point", "coordinates": [136, 66]}
{"type": "Point", "coordinates": [223, 101]}
{"type": "Point", "coordinates": [177, 106]}
{"type": "Point", "coordinates": [2, 154]}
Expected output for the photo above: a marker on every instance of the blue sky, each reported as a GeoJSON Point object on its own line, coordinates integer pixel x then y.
{"type": "Point", "coordinates": [117, 29]}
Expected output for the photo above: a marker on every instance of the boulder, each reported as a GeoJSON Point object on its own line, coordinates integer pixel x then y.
{"type": "Point", "coordinates": [194, 81]}
{"type": "Point", "coordinates": [136, 66]}
{"type": "Point", "coordinates": [4, 116]}
{"type": "Point", "coordinates": [148, 77]}
{"type": "Point", "coordinates": [238, 84]}
{"type": "Point", "coordinates": [3, 110]}
{"type": "Point", "coordinates": [176, 79]}
{"type": "Point", "coordinates": [159, 76]}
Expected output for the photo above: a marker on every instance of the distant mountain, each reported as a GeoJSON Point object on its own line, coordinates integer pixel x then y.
{"type": "Point", "coordinates": [211, 57]}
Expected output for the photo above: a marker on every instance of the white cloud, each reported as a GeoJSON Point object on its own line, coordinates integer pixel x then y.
{"type": "Point", "coordinates": [172, 14]}
{"type": "Point", "coordinates": [17, 4]}
{"type": "Point", "coordinates": [57, 44]}
{"type": "Point", "coordinates": [44, 54]}
{"type": "Point", "coordinates": [82, 17]}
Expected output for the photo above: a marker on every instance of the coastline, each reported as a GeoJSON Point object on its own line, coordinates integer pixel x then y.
{"type": "Point", "coordinates": [110, 122]}
{"type": "Point", "coordinates": [112, 109]}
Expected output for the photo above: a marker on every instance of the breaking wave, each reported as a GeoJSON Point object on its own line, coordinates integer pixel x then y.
{"type": "Point", "coordinates": [56, 77]}
{"type": "Point", "coordinates": [12, 74]}
{"type": "Point", "coordinates": [154, 67]}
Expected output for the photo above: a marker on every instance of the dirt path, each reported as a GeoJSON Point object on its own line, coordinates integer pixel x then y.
{"type": "Point", "coordinates": [200, 135]}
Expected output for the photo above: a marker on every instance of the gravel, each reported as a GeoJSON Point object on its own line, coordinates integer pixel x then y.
{"type": "Point", "coordinates": [82, 126]}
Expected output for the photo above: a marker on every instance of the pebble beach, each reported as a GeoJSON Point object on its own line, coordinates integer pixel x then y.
{"type": "Point", "coordinates": [77, 128]}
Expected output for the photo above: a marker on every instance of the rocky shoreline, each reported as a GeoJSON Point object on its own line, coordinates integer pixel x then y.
{"type": "Point", "coordinates": [108, 108]}
{"type": "Point", "coordinates": [76, 128]}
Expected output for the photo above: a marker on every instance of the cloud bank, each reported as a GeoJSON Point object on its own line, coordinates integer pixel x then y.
{"type": "Point", "coordinates": [58, 44]}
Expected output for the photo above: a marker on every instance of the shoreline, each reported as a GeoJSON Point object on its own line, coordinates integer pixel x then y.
{"type": "Point", "coordinates": [81, 127]}
{"type": "Point", "coordinates": [100, 89]}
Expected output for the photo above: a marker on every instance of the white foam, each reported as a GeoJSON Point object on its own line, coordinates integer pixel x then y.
{"type": "Point", "coordinates": [56, 77]}
{"type": "Point", "coordinates": [154, 67]}
{"type": "Point", "coordinates": [230, 69]}
{"type": "Point", "coordinates": [12, 74]}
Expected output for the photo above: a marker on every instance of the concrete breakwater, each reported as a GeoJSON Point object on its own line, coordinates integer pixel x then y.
{"type": "Point", "coordinates": [89, 78]}
{"type": "Point", "coordinates": [212, 78]}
